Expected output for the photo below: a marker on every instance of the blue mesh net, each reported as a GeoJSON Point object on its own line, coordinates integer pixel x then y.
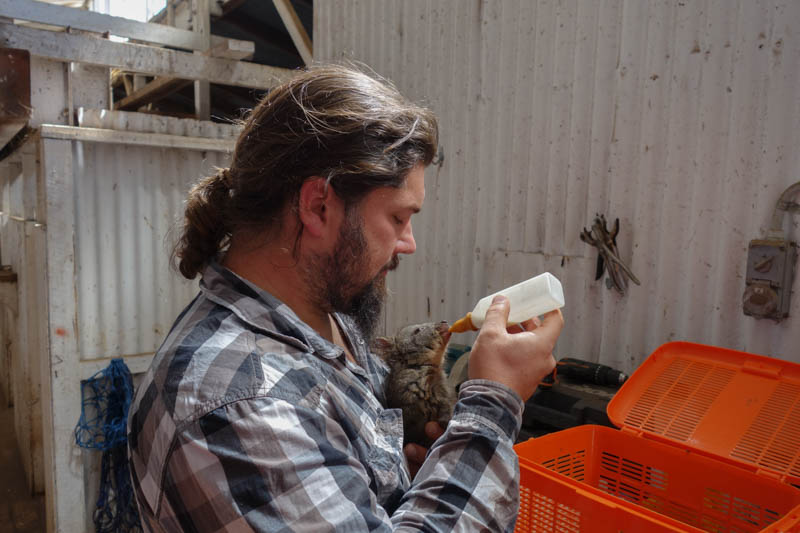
{"type": "Point", "coordinates": [106, 397]}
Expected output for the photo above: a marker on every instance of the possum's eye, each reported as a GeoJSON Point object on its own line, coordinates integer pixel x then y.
{"type": "Point", "coordinates": [416, 331]}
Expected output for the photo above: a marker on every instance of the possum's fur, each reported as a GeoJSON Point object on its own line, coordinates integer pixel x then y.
{"type": "Point", "coordinates": [416, 382]}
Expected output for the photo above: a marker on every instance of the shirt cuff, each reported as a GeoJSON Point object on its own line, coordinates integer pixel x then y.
{"type": "Point", "coordinates": [492, 404]}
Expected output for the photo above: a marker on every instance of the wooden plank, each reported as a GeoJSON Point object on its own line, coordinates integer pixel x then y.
{"type": "Point", "coordinates": [127, 83]}
{"type": "Point", "coordinates": [152, 92]}
{"type": "Point", "coordinates": [296, 30]}
{"type": "Point", "coordinates": [98, 22]}
{"type": "Point", "coordinates": [140, 58]}
{"type": "Point", "coordinates": [231, 49]}
{"type": "Point", "coordinates": [163, 86]}
{"type": "Point", "coordinates": [202, 89]}
{"type": "Point", "coordinates": [162, 140]}
{"type": "Point", "coordinates": [61, 394]}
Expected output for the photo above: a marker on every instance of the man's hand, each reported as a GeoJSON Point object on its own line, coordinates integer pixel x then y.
{"type": "Point", "coordinates": [415, 454]}
{"type": "Point", "coordinates": [518, 360]}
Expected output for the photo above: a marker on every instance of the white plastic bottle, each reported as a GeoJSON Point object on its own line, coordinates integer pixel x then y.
{"type": "Point", "coordinates": [530, 298]}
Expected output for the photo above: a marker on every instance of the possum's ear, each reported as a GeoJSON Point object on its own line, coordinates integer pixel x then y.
{"type": "Point", "coordinates": [382, 345]}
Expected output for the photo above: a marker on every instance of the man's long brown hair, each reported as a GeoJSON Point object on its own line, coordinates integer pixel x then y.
{"type": "Point", "coordinates": [334, 121]}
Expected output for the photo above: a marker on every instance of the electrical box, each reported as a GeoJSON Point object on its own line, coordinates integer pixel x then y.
{"type": "Point", "coordinates": [770, 271]}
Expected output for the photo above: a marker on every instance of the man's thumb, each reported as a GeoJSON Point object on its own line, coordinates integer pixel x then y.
{"type": "Point", "coordinates": [497, 314]}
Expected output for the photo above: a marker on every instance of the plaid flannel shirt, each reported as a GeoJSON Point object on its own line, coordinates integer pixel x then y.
{"type": "Point", "coordinates": [248, 420]}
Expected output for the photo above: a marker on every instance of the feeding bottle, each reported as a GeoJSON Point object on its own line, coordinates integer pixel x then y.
{"type": "Point", "coordinates": [530, 298]}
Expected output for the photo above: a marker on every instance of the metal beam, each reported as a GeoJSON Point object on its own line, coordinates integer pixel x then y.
{"type": "Point", "coordinates": [98, 22]}
{"type": "Point", "coordinates": [140, 58]}
{"type": "Point", "coordinates": [296, 30]}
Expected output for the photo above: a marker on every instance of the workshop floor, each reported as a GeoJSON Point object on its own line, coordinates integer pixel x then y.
{"type": "Point", "coordinates": [19, 511]}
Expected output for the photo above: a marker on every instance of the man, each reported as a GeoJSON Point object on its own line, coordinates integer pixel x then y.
{"type": "Point", "coordinates": [263, 408]}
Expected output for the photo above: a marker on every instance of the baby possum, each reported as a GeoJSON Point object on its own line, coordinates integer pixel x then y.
{"type": "Point", "coordinates": [416, 382]}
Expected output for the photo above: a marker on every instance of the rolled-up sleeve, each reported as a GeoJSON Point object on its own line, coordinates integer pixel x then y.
{"type": "Point", "coordinates": [470, 479]}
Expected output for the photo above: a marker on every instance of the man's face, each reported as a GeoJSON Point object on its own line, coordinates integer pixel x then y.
{"type": "Point", "coordinates": [352, 279]}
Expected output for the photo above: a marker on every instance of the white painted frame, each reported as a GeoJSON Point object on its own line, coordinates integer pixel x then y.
{"type": "Point", "coordinates": [63, 368]}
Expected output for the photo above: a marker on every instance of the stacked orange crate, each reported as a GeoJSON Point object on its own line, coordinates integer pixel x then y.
{"type": "Point", "coordinates": [709, 441]}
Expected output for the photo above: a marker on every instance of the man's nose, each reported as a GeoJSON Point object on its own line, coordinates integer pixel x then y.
{"type": "Point", "coordinates": [406, 243]}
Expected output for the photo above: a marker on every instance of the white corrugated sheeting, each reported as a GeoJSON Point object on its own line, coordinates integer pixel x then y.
{"type": "Point", "coordinates": [128, 200]}
{"type": "Point", "coordinates": [680, 118]}
{"type": "Point", "coordinates": [109, 193]}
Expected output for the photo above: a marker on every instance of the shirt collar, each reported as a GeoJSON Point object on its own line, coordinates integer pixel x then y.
{"type": "Point", "coordinates": [264, 312]}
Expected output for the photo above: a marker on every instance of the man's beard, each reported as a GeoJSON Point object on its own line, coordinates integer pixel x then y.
{"type": "Point", "coordinates": [336, 280]}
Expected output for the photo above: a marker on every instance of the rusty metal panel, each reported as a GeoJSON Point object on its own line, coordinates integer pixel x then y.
{"type": "Point", "coordinates": [15, 94]}
{"type": "Point", "coordinates": [678, 118]}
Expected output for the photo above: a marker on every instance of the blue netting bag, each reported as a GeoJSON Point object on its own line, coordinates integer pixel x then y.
{"type": "Point", "coordinates": [106, 398]}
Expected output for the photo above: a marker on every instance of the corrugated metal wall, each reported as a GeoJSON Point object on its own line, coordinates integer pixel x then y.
{"type": "Point", "coordinates": [128, 200]}
{"type": "Point", "coordinates": [680, 118]}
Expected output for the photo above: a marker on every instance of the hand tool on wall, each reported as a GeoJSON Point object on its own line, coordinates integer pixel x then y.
{"type": "Point", "coordinates": [608, 254]}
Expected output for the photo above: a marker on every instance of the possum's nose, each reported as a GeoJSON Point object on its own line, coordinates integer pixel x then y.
{"type": "Point", "coordinates": [443, 329]}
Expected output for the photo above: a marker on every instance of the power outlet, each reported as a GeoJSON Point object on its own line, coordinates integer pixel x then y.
{"type": "Point", "coordinates": [770, 271]}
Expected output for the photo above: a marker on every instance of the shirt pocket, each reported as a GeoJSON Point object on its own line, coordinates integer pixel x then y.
{"type": "Point", "coordinates": [385, 459]}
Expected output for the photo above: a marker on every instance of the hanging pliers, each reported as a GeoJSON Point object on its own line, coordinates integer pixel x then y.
{"type": "Point", "coordinates": [608, 254]}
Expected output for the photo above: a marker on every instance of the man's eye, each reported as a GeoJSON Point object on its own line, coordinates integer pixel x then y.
{"type": "Point", "coordinates": [398, 221]}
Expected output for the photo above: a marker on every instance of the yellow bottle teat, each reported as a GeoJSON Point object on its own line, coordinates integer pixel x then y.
{"type": "Point", "coordinates": [463, 324]}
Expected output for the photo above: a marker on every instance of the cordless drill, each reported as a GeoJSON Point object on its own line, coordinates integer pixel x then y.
{"type": "Point", "coordinates": [587, 372]}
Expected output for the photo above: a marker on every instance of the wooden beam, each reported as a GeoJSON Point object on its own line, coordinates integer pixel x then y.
{"type": "Point", "coordinates": [162, 86]}
{"type": "Point", "coordinates": [232, 49]}
{"type": "Point", "coordinates": [201, 24]}
{"type": "Point", "coordinates": [98, 22]}
{"type": "Point", "coordinates": [296, 30]}
{"type": "Point", "coordinates": [127, 83]}
{"type": "Point", "coordinates": [152, 92]}
{"type": "Point", "coordinates": [140, 58]}
{"type": "Point", "coordinates": [161, 140]}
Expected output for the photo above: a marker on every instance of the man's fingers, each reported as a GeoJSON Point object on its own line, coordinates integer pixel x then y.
{"type": "Point", "coordinates": [529, 325]}
{"type": "Point", "coordinates": [433, 430]}
{"type": "Point", "coordinates": [497, 314]}
{"type": "Point", "coordinates": [415, 453]}
{"type": "Point", "coordinates": [551, 325]}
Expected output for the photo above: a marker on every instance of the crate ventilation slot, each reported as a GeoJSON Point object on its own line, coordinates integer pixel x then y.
{"type": "Point", "coordinates": [630, 480]}
{"type": "Point", "coordinates": [722, 511]}
{"type": "Point", "coordinates": [773, 439]}
{"type": "Point", "coordinates": [571, 465]}
{"type": "Point", "coordinates": [539, 513]}
{"type": "Point", "coordinates": [677, 400]}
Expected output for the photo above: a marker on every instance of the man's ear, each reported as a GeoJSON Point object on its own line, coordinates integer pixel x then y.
{"type": "Point", "coordinates": [312, 206]}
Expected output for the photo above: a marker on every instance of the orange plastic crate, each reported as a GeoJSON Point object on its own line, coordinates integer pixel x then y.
{"type": "Point", "coordinates": [710, 441]}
